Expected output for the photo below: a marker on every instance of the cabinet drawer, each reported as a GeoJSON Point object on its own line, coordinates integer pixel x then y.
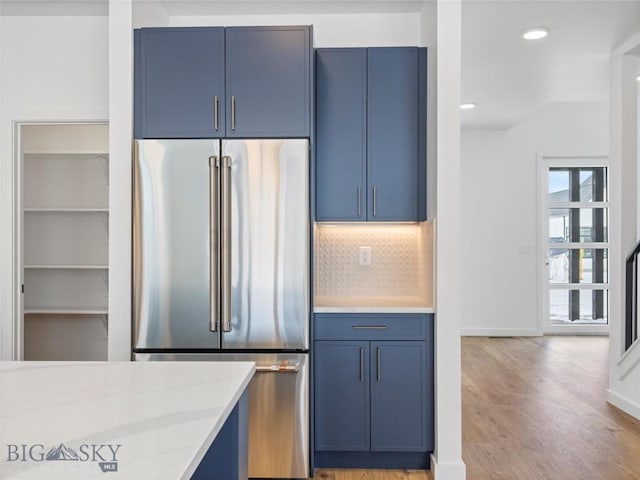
{"type": "Point", "coordinates": [368, 326]}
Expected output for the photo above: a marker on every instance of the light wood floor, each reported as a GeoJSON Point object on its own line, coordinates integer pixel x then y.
{"type": "Point", "coordinates": [535, 409]}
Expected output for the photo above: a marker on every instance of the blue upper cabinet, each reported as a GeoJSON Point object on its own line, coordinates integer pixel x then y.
{"type": "Point", "coordinates": [392, 141]}
{"type": "Point", "coordinates": [268, 81]}
{"type": "Point", "coordinates": [180, 90]}
{"type": "Point", "coordinates": [211, 82]}
{"type": "Point", "coordinates": [341, 134]}
{"type": "Point", "coordinates": [379, 93]}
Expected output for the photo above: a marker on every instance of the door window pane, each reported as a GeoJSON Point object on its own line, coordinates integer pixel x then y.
{"type": "Point", "coordinates": [578, 307]}
{"type": "Point", "coordinates": [558, 185]}
{"type": "Point", "coordinates": [578, 225]}
{"type": "Point", "coordinates": [578, 184]}
{"type": "Point", "coordinates": [578, 265]}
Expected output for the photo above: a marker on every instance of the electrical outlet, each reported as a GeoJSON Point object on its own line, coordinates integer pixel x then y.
{"type": "Point", "coordinates": [365, 255]}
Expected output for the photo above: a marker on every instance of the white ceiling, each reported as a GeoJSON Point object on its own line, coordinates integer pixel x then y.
{"type": "Point", "coordinates": [510, 78]}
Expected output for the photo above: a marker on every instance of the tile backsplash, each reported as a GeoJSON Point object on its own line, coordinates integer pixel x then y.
{"type": "Point", "coordinates": [401, 262]}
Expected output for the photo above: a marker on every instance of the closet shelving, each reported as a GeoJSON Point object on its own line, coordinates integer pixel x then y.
{"type": "Point", "coordinates": [65, 253]}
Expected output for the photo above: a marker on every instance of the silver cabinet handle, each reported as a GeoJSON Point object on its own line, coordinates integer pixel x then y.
{"type": "Point", "coordinates": [378, 355]}
{"type": "Point", "coordinates": [369, 327]}
{"type": "Point", "coordinates": [359, 201]}
{"type": "Point", "coordinates": [278, 368]}
{"type": "Point", "coordinates": [226, 243]}
{"type": "Point", "coordinates": [233, 112]}
{"type": "Point", "coordinates": [361, 373]}
{"type": "Point", "coordinates": [374, 200]}
{"type": "Point", "coordinates": [214, 271]}
{"type": "Point", "coordinates": [216, 102]}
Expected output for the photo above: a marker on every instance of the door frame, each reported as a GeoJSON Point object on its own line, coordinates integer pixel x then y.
{"type": "Point", "coordinates": [544, 162]}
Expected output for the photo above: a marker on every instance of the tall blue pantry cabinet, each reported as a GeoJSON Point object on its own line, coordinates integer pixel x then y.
{"type": "Point", "coordinates": [373, 372]}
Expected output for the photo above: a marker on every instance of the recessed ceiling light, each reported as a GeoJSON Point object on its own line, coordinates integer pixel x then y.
{"type": "Point", "coordinates": [467, 106]}
{"type": "Point", "coordinates": [535, 33]}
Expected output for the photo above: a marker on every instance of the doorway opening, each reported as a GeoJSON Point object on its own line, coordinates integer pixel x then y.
{"type": "Point", "coordinates": [62, 241]}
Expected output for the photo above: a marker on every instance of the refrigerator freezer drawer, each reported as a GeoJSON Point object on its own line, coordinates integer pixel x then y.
{"type": "Point", "coordinates": [278, 410]}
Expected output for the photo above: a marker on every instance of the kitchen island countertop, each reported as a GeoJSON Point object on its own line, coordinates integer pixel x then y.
{"type": "Point", "coordinates": [113, 420]}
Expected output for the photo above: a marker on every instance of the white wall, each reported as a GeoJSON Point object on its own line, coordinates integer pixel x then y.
{"type": "Point", "coordinates": [500, 212]}
{"type": "Point", "coordinates": [331, 30]}
{"type": "Point", "coordinates": [51, 68]}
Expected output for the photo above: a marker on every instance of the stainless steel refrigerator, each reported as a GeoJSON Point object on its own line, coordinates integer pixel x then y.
{"type": "Point", "coordinates": [221, 272]}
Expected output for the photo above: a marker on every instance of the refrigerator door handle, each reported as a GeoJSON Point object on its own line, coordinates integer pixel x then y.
{"type": "Point", "coordinates": [226, 243]}
{"type": "Point", "coordinates": [214, 267]}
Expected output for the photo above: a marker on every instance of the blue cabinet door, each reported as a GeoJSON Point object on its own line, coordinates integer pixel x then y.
{"type": "Point", "coordinates": [341, 134]}
{"type": "Point", "coordinates": [179, 79]}
{"type": "Point", "coordinates": [341, 396]}
{"type": "Point", "coordinates": [399, 400]}
{"type": "Point", "coordinates": [392, 146]}
{"type": "Point", "coordinates": [268, 81]}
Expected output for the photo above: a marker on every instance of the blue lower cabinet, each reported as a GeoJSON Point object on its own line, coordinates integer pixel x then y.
{"type": "Point", "coordinates": [373, 391]}
{"type": "Point", "coordinates": [342, 396]}
{"type": "Point", "coordinates": [398, 396]}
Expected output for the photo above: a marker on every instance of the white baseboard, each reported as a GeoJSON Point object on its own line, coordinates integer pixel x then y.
{"type": "Point", "coordinates": [500, 332]}
{"type": "Point", "coordinates": [448, 471]}
{"type": "Point", "coordinates": [624, 404]}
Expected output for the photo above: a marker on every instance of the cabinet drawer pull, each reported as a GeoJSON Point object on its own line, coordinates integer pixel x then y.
{"type": "Point", "coordinates": [359, 202]}
{"type": "Point", "coordinates": [379, 360]}
{"type": "Point", "coordinates": [361, 363]}
{"type": "Point", "coordinates": [369, 327]}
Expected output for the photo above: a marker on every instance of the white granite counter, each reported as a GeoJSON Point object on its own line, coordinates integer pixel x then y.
{"type": "Point", "coordinates": [152, 420]}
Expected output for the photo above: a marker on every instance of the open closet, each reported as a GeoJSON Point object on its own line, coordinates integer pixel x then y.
{"type": "Point", "coordinates": [64, 240]}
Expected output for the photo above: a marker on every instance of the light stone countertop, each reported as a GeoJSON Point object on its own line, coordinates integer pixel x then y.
{"type": "Point", "coordinates": [164, 416]}
{"type": "Point", "coordinates": [371, 305]}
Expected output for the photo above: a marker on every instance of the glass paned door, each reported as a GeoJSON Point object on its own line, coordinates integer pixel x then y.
{"type": "Point", "coordinates": [575, 221]}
